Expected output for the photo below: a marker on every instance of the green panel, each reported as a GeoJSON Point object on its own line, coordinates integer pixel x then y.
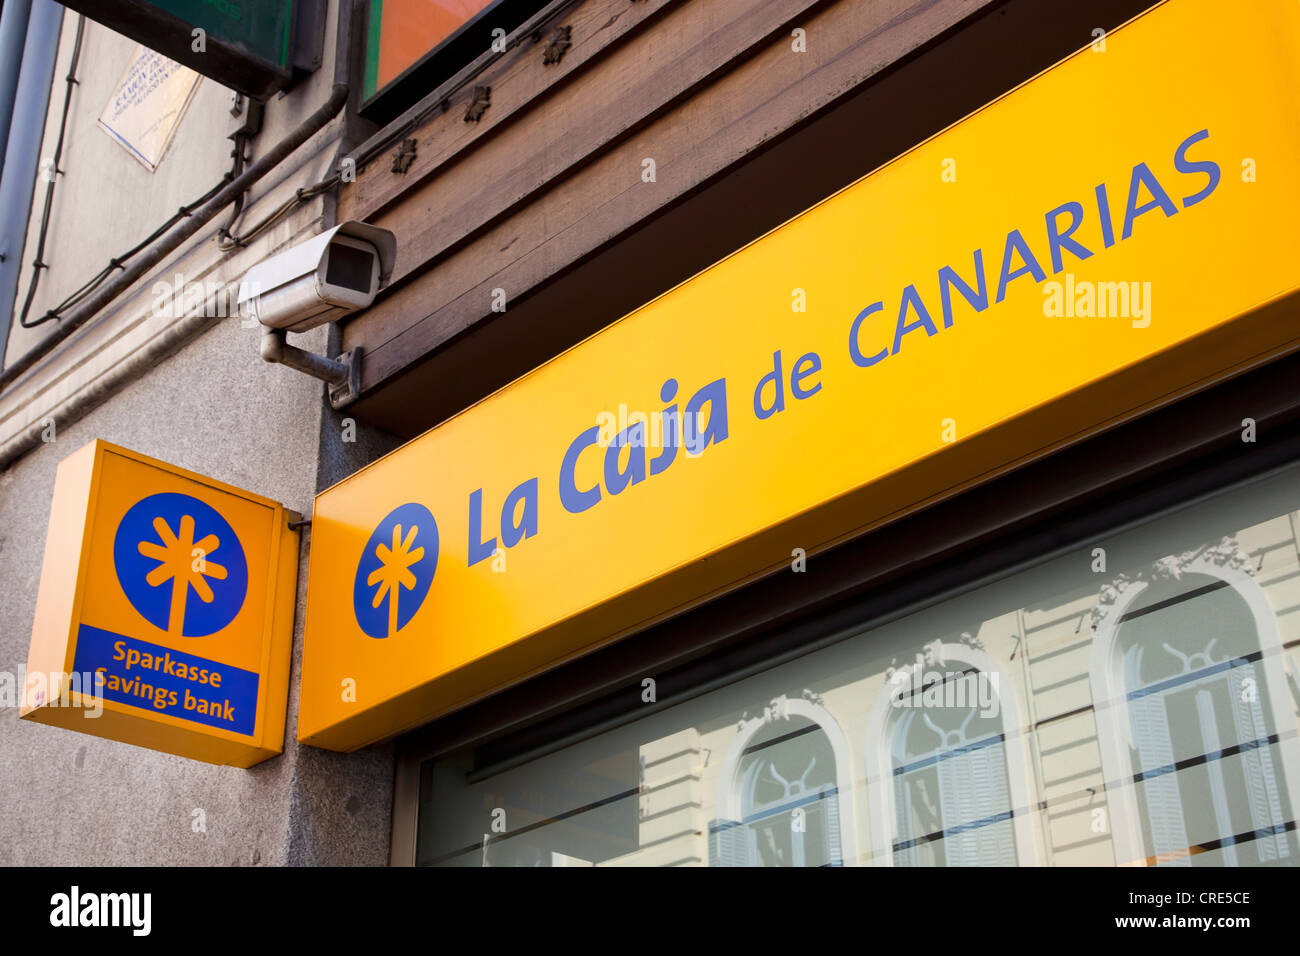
{"type": "Point", "coordinates": [372, 48]}
{"type": "Point", "coordinates": [261, 26]}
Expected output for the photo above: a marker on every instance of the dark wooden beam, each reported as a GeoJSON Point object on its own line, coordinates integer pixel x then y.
{"type": "Point", "coordinates": [744, 146]}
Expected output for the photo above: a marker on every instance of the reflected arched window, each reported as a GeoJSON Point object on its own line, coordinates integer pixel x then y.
{"type": "Point", "coordinates": [948, 783]}
{"type": "Point", "coordinates": [952, 795]}
{"type": "Point", "coordinates": [782, 799]}
{"type": "Point", "coordinates": [790, 814]}
{"type": "Point", "coordinates": [1202, 737]}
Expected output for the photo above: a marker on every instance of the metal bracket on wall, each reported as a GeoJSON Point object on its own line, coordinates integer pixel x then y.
{"type": "Point", "coordinates": [347, 392]}
{"type": "Point", "coordinates": [342, 375]}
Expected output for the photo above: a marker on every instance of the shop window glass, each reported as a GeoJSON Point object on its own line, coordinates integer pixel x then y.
{"type": "Point", "coordinates": [1129, 700]}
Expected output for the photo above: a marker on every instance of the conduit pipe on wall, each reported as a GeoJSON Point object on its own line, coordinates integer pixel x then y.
{"type": "Point", "coordinates": [13, 35]}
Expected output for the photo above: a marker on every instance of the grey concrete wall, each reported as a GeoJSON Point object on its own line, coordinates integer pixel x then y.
{"type": "Point", "coordinates": [68, 798]}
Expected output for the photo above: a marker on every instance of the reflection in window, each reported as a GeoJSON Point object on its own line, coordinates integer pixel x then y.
{"type": "Point", "coordinates": [1166, 735]}
{"type": "Point", "coordinates": [789, 801]}
{"type": "Point", "coordinates": [583, 812]}
{"type": "Point", "coordinates": [952, 801]}
{"type": "Point", "coordinates": [1203, 744]}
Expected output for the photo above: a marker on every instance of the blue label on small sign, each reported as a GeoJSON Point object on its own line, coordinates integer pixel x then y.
{"type": "Point", "coordinates": [158, 679]}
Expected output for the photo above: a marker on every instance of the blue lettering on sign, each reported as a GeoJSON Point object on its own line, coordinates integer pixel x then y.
{"type": "Point", "coordinates": [164, 681]}
{"type": "Point", "coordinates": [869, 344]}
{"type": "Point", "coordinates": [600, 464]}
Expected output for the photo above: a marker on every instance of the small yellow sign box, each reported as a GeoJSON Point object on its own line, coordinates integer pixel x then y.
{"type": "Point", "coordinates": [165, 612]}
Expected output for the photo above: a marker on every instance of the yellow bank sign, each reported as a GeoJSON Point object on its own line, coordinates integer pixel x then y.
{"type": "Point", "coordinates": [165, 611]}
{"type": "Point", "coordinates": [1105, 237]}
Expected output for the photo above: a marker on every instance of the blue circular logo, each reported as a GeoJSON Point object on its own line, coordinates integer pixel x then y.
{"type": "Point", "coordinates": [180, 564]}
{"type": "Point", "coordinates": [395, 570]}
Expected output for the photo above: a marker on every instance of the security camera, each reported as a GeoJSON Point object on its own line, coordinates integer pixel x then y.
{"type": "Point", "coordinates": [320, 280]}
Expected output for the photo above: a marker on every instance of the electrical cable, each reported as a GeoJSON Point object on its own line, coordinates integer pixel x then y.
{"type": "Point", "coordinates": [229, 240]}
{"type": "Point", "coordinates": [119, 262]}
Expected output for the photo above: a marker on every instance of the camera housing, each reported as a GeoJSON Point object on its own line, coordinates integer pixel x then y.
{"type": "Point", "coordinates": [320, 280]}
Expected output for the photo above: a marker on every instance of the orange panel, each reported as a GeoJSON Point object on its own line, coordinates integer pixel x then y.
{"type": "Point", "coordinates": [411, 28]}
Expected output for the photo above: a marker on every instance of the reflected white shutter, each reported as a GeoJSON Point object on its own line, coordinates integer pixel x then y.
{"type": "Point", "coordinates": [1257, 762]}
{"type": "Point", "coordinates": [973, 788]}
{"type": "Point", "coordinates": [730, 844]}
{"type": "Point", "coordinates": [997, 842]}
{"type": "Point", "coordinates": [957, 794]}
{"type": "Point", "coordinates": [1164, 803]}
{"type": "Point", "coordinates": [903, 833]}
{"type": "Point", "coordinates": [830, 802]}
